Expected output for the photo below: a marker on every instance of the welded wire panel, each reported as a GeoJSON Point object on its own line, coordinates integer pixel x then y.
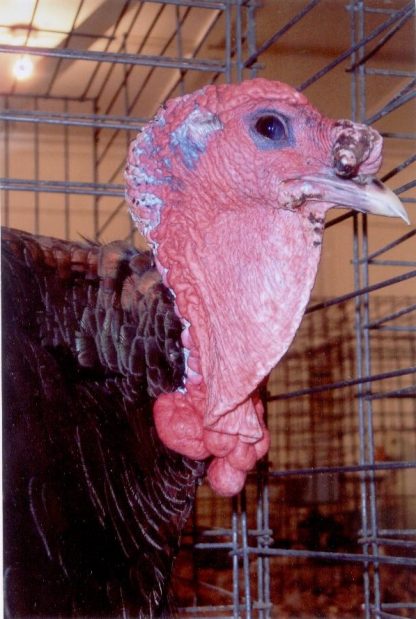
{"type": "Point", "coordinates": [326, 527]}
{"type": "Point", "coordinates": [303, 545]}
{"type": "Point", "coordinates": [341, 473]}
{"type": "Point", "coordinates": [101, 74]}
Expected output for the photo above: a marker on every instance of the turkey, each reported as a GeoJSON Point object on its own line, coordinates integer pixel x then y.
{"type": "Point", "coordinates": [130, 376]}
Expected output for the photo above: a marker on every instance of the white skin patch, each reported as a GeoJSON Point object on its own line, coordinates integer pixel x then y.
{"type": "Point", "coordinates": [191, 137]}
{"type": "Point", "coordinates": [149, 200]}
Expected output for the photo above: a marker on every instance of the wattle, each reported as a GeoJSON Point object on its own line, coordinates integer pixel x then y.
{"type": "Point", "coordinates": [243, 299]}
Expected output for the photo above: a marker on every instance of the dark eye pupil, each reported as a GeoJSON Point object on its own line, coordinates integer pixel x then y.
{"type": "Point", "coordinates": [270, 127]}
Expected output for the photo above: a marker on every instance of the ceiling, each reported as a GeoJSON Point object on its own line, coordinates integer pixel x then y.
{"type": "Point", "coordinates": [150, 29]}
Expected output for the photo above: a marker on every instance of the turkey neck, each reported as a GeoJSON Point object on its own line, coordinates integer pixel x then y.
{"type": "Point", "coordinates": [103, 306]}
{"type": "Point", "coordinates": [241, 283]}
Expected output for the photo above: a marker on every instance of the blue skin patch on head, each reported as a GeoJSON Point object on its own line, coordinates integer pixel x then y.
{"type": "Point", "coordinates": [160, 119]}
{"type": "Point", "coordinates": [192, 136]}
{"type": "Point", "coordinates": [147, 135]}
{"type": "Point", "coordinates": [149, 200]}
{"type": "Point", "coordinates": [190, 150]}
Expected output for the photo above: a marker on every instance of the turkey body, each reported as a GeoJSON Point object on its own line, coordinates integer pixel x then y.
{"type": "Point", "coordinates": [94, 504]}
{"type": "Point", "coordinates": [230, 185]}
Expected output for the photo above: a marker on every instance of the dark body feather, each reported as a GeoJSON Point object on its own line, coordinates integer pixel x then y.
{"type": "Point", "coordinates": [94, 504]}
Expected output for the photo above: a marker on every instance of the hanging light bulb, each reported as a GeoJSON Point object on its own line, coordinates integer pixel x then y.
{"type": "Point", "coordinates": [23, 67]}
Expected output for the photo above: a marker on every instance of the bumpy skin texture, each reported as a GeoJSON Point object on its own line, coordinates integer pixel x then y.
{"type": "Point", "coordinates": [94, 503]}
{"type": "Point", "coordinates": [236, 231]}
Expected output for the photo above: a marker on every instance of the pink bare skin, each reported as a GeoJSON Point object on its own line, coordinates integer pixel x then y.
{"type": "Point", "coordinates": [231, 185]}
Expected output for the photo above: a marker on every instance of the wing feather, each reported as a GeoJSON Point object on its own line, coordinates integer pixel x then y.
{"type": "Point", "coordinates": [94, 503]}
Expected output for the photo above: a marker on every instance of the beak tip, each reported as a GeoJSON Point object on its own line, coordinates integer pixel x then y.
{"type": "Point", "coordinates": [380, 200]}
{"type": "Point", "coordinates": [396, 208]}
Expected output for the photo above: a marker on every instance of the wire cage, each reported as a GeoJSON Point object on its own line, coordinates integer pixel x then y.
{"type": "Point", "coordinates": [326, 527]}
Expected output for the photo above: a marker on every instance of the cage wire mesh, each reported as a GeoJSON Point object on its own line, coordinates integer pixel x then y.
{"type": "Point", "coordinates": [326, 527]}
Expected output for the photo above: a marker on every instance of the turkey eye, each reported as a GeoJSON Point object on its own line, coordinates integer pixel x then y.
{"type": "Point", "coordinates": [271, 127]}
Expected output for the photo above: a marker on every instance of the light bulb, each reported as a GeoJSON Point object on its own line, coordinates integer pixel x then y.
{"type": "Point", "coordinates": [23, 67]}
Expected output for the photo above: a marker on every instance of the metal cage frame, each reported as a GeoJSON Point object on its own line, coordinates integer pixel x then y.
{"type": "Point", "coordinates": [250, 596]}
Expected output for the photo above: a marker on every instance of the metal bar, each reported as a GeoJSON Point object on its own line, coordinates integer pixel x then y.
{"type": "Point", "coordinates": [95, 174]}
{"type": "Point", "coordinates": [200, 4]}
{"type": "Point", "coordinates": [128, 135]}
{"type": "Point", "coordinates": [398, 329]}
{"type": "Point", "coordinates": [391, 316]}
{"type": "Point", "coordinates": [32, 95]}
{"type": "Point", "coordinates": [238, 43]}
{"type": "Point", "coordinates": [353, 82]}
{"type": "Point", "coordinates": [245, 554]}
{"type": "Point", "coordinates": [214, 545]}
{"type": "Point", "coordinates": [251, 35]}
{"type": "Point", "coordinates": [266, 535]}
{"type": "Point", "coordinates": [403, 532]}
{"type": "Point", "coordinates": [360, 291]}
{"type": "Point", "coordinates": [333, 556]}
{"type": "Point", "coordinates": [406, 392]}
{"type": "Point", "coordinates": [215, 532]}
{"type": "Point", "coordinates": [369, 419]}
{"type": "Point", "coordinates": [409, 605]}
{"type": "Point", "coordinates": [382, 41]}
{"type": "Point", "coordinates": [87, 189]}
{"type": "Point", "coordinates": [393, 263]}
{"type": "Point", "coordinates": [400, 99]}
{"type": "Point", "coordinates": [342, 384]}
{"type": "Point", "coordinates": [359, 363]}
{"type": "Point", "coordinates": [36, 30]}
{"type": "Point", "coordinates": [117, 58]}
{"type": "Point", "coordinates": [381, 614]}
{"type": "Point", "coordinates": [276, 36]}
{"type": "Point", "coordinates": [263, 532]}
{"type": "Point", "coordinates": [357, 32]}
{"type": "Point", "coordinates": [179, 47]}
{"type": "Point", "coordinates": [399, 543]}
{"type": "Point", "coordinates": [397, 135]}
{"type": "Point", "coordinates": [236, 587]}
{"type": "Point", "coordinates": [6, 167]}
{"type": "Point", "coordinates": [221, 531]}
{"type": "Point", "coordinates": [98, 121]}
{"type": "Point", "coordinates": [345, 469]}
{"type": "Point", "coordinates": [228, 44]}
{"type": "Point", "coordinates": [389, 246]}
{"type": "Point", "coordinates": [405, 187]}
{"type": "Point", "coordinates": [403, 605]}
{"type": "Point", "coordinates": [261, 592]}
{"type": "Point", "coordinates": [389, 72]}
{"type": "Point", "coordinates": [36, 163]}
{"type": "Point", "coordinates": [67, 202]}
{"type": "Point", "coordinates": [331, 65]}
{"type": "Point", "coordinates": [381, 11]}
{"type": "Point", "coordinates": [399, 168]}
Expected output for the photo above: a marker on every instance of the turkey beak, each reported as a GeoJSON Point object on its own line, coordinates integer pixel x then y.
{"type": "Point", "coordinates": [364, 194]}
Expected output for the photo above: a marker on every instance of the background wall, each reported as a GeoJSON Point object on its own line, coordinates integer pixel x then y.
{"type": "Point", "coordinates": [341, 406]}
